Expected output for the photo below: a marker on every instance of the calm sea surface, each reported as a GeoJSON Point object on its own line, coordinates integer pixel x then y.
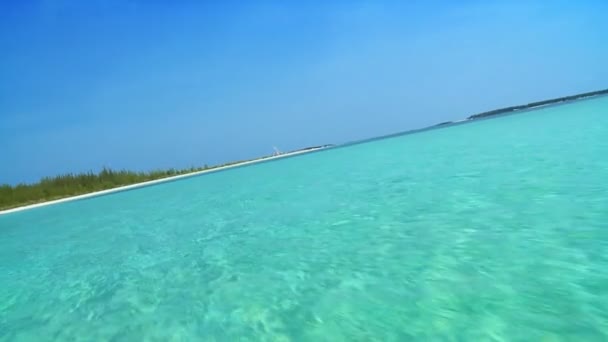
{"type": "Point", "coordinates": [494, 230]}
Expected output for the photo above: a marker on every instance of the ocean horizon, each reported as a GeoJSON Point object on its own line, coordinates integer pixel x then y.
{"type": "Point", "coordinates": [492, 229]}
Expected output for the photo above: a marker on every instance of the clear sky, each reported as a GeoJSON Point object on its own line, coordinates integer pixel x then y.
{"type": "Point", "coordinates": [155, 84]}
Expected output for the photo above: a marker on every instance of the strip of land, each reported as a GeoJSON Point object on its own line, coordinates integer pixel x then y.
{"type": "Point", "coordinates": [533, 105]}
{"type": "Point", "coordinates": [161, 180]}
{"type": "Point", "coordinates": [524, 107]}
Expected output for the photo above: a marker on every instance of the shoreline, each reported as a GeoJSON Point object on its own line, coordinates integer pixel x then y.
{"type": "Point", "coordinates": [538, 104]}
{"type": "Point", "coordinates": [156, 181]}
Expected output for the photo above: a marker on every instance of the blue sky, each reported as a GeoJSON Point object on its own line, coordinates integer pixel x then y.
{"type": "Point", "coordinates": [157, 84]}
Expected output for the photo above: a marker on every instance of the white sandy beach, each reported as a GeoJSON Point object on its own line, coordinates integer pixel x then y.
{"type": "Point", "coordinates": [157, 181]}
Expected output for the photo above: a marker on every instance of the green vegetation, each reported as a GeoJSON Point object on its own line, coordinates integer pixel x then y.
{"type": "Point", "coordinates": [536, 104]}
{"type": "Point", "coordinates": [52, 188]}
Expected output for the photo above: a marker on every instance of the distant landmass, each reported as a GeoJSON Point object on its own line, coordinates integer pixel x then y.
{"type": "Point", "coordinates": [314, 147]}
{"type": "Point", "coordinates": [443, 123]}
{"type": "Point", "coordinates": [500, 111]}
{"type": "Point", "coordinates": [532, 105]}
{"type": "Point", "coordinates": [70, 185]}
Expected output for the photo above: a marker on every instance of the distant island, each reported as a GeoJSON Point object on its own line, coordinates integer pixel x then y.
{"type": "Point", "coordinates": [315, 147]}
{"type": "Point", "coordinates": [535, 104]}
{"type": "Point", "coordinates": [484, 115]}
{"type": "Point", "coordinates": [443, 123]}
{"type": "Point", "coordinates": [70, 185]}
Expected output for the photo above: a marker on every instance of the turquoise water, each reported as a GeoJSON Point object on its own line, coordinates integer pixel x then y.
{"type": "Point", "coordinates": [494, 230]}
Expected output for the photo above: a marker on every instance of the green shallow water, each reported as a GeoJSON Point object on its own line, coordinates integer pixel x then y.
{"type": "Point", "coordinates": [494, 230]}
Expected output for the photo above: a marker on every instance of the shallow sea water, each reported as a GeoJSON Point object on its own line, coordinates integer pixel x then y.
{"type": "Point", "coordinates": [493, 230]}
